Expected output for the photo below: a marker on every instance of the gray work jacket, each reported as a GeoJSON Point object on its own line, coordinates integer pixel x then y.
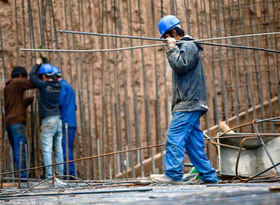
{"type": "Point", "coordinates": [189, 87]}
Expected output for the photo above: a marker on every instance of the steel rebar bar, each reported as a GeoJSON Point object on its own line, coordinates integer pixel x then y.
{"type": "Point", "coordinates": [159, 39]}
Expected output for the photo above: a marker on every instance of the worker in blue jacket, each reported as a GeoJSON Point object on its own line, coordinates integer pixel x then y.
{"type": "Point", "coordinates": [67, 105]}
{"type": "Point", "coordinates": [189, 104]}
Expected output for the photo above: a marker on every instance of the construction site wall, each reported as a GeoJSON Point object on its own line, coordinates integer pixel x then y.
{"type": "Point", "coordinates": [124, 97]}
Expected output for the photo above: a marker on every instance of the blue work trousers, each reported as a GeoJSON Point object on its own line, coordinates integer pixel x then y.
{"type": "Point", "coordinates": [71, 138]}
{"type": "Point", "coordinates": [16, 135]}
{"type": "Point", "coordinates": [51, 138]}
{"type": "Point", "coordinates": [184, 134]}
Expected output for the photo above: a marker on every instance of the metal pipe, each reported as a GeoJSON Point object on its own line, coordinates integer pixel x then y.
{"type": "Point", "coordinates": [37, 136]}
{"type": "Point", "coordinates": [55, 33]}
{"type": "Point", "coordinates": [67, 151]}
{"type": "Point", "coordinates": [143, 79]}
{"type": "Point", "coordinates": [241, 135]}
{"type": "Point", "coordinates": [220, 144]}
{"type": "Point", "coordinates": [71, 77]}
{"type": "Point", "coordinates": [276, 73]}
{"type": "Point", "coordinates": [135, 104]}
{"type": "Point", "coordinates": [111, 96]}
{"type": "Point", "coordinates": [264, 146]}
{"type": "Point", "coordinates": [19, 166]}
{"type": "Point", "coordinates": [157, 108]}
{"type": "Point", "coordinates": [268, 66]}
{"type": "Point", "coordinates": [221, 65]}
{"type": "Point", "coordinates": [40, 17]}
{"type": "Point", "coordinates": [148, 46]}
{"type": "Point", "coordinates": [53, 168]}
{"type": "Point", "coordinates": [117, 96]}
{"type": "Point", "coordinates": [238, 157]}
{"type": "Point", "coordinates": [91, 104]}
{"type": "Point", "coordinates": [27, 162]}
{"type": "Point", "coordinates": [24, 27]}
{"type": "Point", "coordinates": [212, 72]}
{"type": "Point", "coordinates": [262, 172]}
{"type": "Point", "coordinates": [3, 108]}
{"type": "Point", "coordinates": [78, 87]}
{"type": "Point", "coordinates": [3, 57]}
{"type": "Point", "coordinates": [258, 72]}
{"type": "Point", "coordinates": [246, 75]}
{"type": "Point", "coordinates": [90, 157]}
{"type": "Point", "coordinates": [16, 22]}
{"type": "Point", "coordinates": [236, 73]}
{"type": "Point", "coordinates": [81, 93]}
{"type": "Point", "coordinates": [124, 85]}
{"type": "Point", "coordinates": [2, 147]}
{"type": "Point", "coordinates": [11, 162]}
{"type": "Point", "coordinates": [268, 119]}
{"type": "Point", "coordinates": [31, 30]}
{"type": "Point", "coordinates": [103, 94]}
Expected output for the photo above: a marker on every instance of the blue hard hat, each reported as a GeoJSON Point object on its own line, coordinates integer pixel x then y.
{"type": "Point", "coordinates": [56, 71]}
{"type": "Point", "coordinates": [46, 69]}
{"type": "Point", "coordinates": [167, 23]}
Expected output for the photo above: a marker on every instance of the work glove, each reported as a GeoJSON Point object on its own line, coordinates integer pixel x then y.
{"type": "Point", "coordinates": [39, 61]}
{"type": "Point", "coordinates": [44, 58]}
{"type": "Point", "coordinates": [43, 55]}
{"type": "Point", "coordinates": [171, 42]}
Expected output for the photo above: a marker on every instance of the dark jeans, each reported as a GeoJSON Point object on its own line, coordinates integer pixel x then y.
{"type": "Point", "coordinates": [16, 134]}
{"type": "Point", "coordinates": [71, 138]}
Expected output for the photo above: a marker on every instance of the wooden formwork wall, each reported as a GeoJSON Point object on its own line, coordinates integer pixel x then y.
{"type": "Point", "coordinates": [124, 97]}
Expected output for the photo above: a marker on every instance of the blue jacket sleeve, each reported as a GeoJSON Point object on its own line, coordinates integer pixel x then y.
{"type": "Point", "coordinates": [34, 78]}
{"type": "Point", "coordinates": [183, 59]}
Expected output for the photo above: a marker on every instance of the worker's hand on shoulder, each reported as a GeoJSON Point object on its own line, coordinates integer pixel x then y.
{"type": "Point", "coordinates": [44, 58]}
{"type": "Point", "coordinates": [43, 55]}
{"type": "Point", "coordinates": [39, 61]}
{"type": "Point", "coordinates": [171, 42]}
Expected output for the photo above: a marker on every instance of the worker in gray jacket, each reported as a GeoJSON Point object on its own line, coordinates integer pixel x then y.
{"type": "Point", "coordinates": [189, 104]}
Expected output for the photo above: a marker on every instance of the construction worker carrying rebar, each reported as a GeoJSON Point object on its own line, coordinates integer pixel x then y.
{"type": "Point", "coordinates": [15, 114]}
{"type": "Point", "coordinates": [189, 104]}
{"type": "Point", "coordinates": [68, 107]}
{"type": "Point", "coordinates": [49, 114]}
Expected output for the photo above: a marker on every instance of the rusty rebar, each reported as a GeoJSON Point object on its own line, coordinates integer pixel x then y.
{"type": "Point", "coordinates": [159, 39]}
{"type": "Point", "coordinates": [19, 164]}
{"type": "Point", "coordinates": [86, 158]}
{"type": "Point", "coordinates": [66, 147]}
{"type": "Point", "coordinates": [238, 157]}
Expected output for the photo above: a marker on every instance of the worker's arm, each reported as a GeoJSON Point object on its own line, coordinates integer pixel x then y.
{"type": "Point", "coordinates": [34, 78]}
{"type": "Point", "coordinates": [184, 59]}
{"type": "Point", "coordinates": [62, 95]}
{"type": "Point", "coordinates": [24, 83]}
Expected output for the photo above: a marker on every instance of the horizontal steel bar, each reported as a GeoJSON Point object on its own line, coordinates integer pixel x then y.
{"type": "Point", "coordinates": [148, 46]}
{"type": "Point", "coordinates": [86, 158]}
{"type": "Point", "coordinates": [160, 39]}
{"type": "Point", "coordinates": [251, 134]}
